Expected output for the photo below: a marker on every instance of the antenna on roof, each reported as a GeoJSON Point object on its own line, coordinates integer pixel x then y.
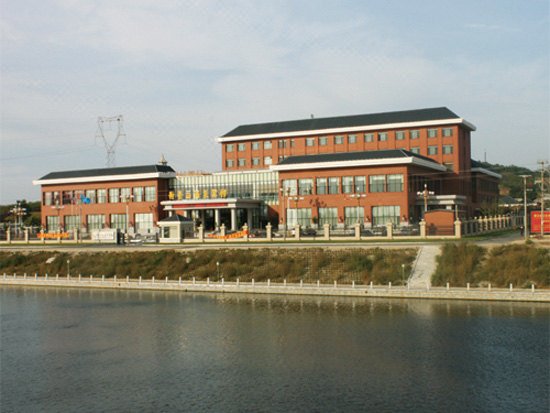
{"type": "Point", "coordinates": [312, 116]}
{"type": "Point", "coordinates": [100, 134]}
{"type": "Point", "coordinates": [162, 160]}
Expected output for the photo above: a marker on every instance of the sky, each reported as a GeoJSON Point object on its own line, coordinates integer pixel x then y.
{"type": "Point", "coordinates": [182, 73]}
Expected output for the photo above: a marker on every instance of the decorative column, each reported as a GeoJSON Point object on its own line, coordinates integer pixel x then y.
{"type": "Point", "coordinates": [26, 235]}
{"type": "Point", "coordinates": [233, 219]}
{"type": "Point", "coordinates": [217, 218]}
{"type": "Point", "coordinates": [8, 236]}
{"type": "Point", "coordinates": [297, 231]}
{"type": "Point", "coordinates": [201, 233]}
{"type": "Point", "coordinates": [423, 229]}
{"type": "Point", "coordinates": [357, 231]}
{"type": "Point", "coordinates": [245, 230]}
{"type": "Point", "coordinates": [249, 217]}
{"type": "Point", "coordinates": [222, 230]}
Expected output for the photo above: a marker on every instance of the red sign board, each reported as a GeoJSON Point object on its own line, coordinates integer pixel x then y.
{"type": "Point", "coordinates": [535, 222]}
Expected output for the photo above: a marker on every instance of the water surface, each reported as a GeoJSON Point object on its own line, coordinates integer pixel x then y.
{"type": "Point", "coordinates": [91, 350]}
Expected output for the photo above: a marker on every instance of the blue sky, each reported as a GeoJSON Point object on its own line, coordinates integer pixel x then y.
{"type": "Point", "coordinates": [184, 72]}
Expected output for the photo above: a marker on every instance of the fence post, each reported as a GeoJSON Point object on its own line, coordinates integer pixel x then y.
{"type": "Point", "coordinates": [25, 276]}
{"type": "Point", "coordinates": [193, 280]}
{"type": "Point", "coordinates": [238, 281]}
{"type": "Point", "coordinates": [389, 285]}
{"type": "Point", "coordinates": [127, 279]}
{"type": "Point", "coordinates": [297, 231]}
{"type": "Point", "coordinates": [370, 285]}
{"type": "Point", "coordinates": [268, 282]}
{"type": "Point", "coordinates": [179, 281]}
{"type": "Point", "coordinates": [201, 233]}
{"type": "Point", "coordinates": [389, 230]}
{"type": "Point", "coordinates": [422, 229]}
{"type": "Point", "coordinates": [447, 287]}
{"type": "Point", "coordinates": [326, 230]}
{"type": "Point", "coordinates": [166, 280]}
{"type": "Point", "coordinates": [207, 280]}
{"type": "Point", "coordinates": [114, 278]}
{"type": "Point", "coordinates": [268, 231]}
{"type": "Point", "coordinates": [223, 281]}
{"type": "Point", "coordinates": [532, 288]}
{"type": "Point", "coordinates": [35, 276]}
{"type": "Point", "coordinates": [26, 235]}
{"type": "Point", "coordinates": [353, 284]}
{"type": "Point", "coordinates": [458, 229]}
{"type": "Point", "coordinates": [139, 280]}
{"type": "Point", "coordinates": [489, 287]}
{"type": "Point", "coordinates": [46, 276]}
{"type": "Point", "coordinates": [252, 282]}
{"type": "Point", "coordinates": [79, 277]}
{"type": "Point", "coordinates": [467, 286]}
{"type": "Point", "coordinates": [103, 278]}
{"type": "Point", "coordinates": [284, 282]}
{"type": "Point", "coordinates": [357, 231]}
{"type": "Point", "coordinates": [56, 277]}
{"type": "Point", "coordinates": [301, 283]}
{"type": "Point", "coordinates": [511, 287]}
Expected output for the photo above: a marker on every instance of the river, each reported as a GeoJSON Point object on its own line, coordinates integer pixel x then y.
{"type": "Point", "coordinates": [78, 350]}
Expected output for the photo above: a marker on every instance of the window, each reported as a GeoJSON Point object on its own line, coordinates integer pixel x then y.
{"type": "Point", "coordinates": [118, 221]}
{"type": "Point", "coordinates": [267, 145]}
{"type": "Point", "coordinates": [339, 139]}
{"type": "Point", "coordinates": [114, 195]}
{"type": "Point", "coordinates": [290, 187]}
{"type": "Point", "coordinates": [255, 161]}
{"type": "Point", "coordinates": [310, 141]}
{"type": "Point", "coordinates": [101, 196]}
{"type": "Point", "coordinates": [352, 138]}
{"type": "Point", "coordinates": [241, 147]}
{"type": "Point", "coordinates": [255, 146]}
{"type": "Point", "coordinates": [292, 143]}
{"type": "Point", "coordinates": [354, 215]}
{"type": "Point", "coordinates": [305, 186]}
{"type": "Point", "coordinates": [144, 223]}
{"type": "Point", "coordinates": [138, 194]}
{"type": "Point", "coordinates": [347, 184]}
{"type": "Point", "coordinates": [52, 224]}
{"type": "Point", "coordinates": [333, 185]}
{"type": "Point", "coordinates": [150, 194]}
{"type": "Point", "coordinates": [395, 183]}
{"type": "Point", "coordinates": [126, 194]}
{"type": "Point", "coordinates": [268, 160]}
{"type": "Point", "coordinates": [322, 188]}
{"type": "Point", "coordinates": [242, 162]}
{"type": "Point", "coordinates": [447, 149]}
{"type": "Point", "coordinates": [399, 135]}
{"type": "Point", "coordinates": [90, 194]}
{"type": "Point", "coordinates": [415, 149]}
{"type": "Point", "coordinates": [414, 134]}
{"type": "Point", "coordinates": [383, 136]}
{"type": "Point", "coordinates": [95, 221]}
{"type": "Point", "coordinates": [229, 163]}
{"type": "Point", "coordinates": [377, 183]}
{"type": "Point", "coordinates": [71, 222]}
{"type": "Point", "coordinates": [381, 215]}
{"type": "Point", "coordinates": [323, 141]}
{"type": "Point", "coordinates": [229, 147]}
{"type": "Point", "coordinates": [447, 132]}
{"type": "Point", "coordinates": [360, 184]}
{"type": "Point", "coordinates": [301, 216]}
{"type": "Point", "coordinates": [449, 165]}
{"type": "Point", "coordinates": [47, 198]}
{"type": "Point", "coordinates": [432, 150]}
{"type": "Point", "coordinates": [432, 133]}
{"type": "Point", "coordinates": [328, 216]}
{"type": "Point", "coordinates": [281, 143]}
{"type": "Point", "coordinates": [369, 137]}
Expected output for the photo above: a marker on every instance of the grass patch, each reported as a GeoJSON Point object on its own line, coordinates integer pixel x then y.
{"type": "Point", "coordinates": [520, 265]}
{"type": "Point", "coordinates": [360, 265]}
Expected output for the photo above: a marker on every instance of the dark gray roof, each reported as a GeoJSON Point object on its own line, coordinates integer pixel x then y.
{"type": "Point", "coordinates": [122, 170]}
{"type": "Point", "coordinates": [353, 156]}
{"type": "Point", "coordinates": [176, 218]}
{"type": "Point", "coordinates": [416, 115]}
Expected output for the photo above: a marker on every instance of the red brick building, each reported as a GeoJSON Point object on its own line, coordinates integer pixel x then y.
{"type": "Point", "coordinates": [127, 198]}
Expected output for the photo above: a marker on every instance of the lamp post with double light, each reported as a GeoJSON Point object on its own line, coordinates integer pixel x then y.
{"type": "Point", "coordinates": [425, 194]}
{"type": "Point", "coordinates": [358, 197]}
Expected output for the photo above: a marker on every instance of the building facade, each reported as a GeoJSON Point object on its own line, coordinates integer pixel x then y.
{"type": "Point", "coordinates": [368, 169]}
{"type": "Point", "coordinates": [125, 198]}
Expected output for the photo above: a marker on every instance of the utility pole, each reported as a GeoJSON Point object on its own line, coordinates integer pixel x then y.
{"type": "Point", "coordinates": [525, 205]}
{"type": "Point", "coordinates": [100, 134]}
{"type": "Point", "coordinates": [541, 197]}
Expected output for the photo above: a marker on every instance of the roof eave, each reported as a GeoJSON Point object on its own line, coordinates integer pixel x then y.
{"type": "Point", "coordinates": [105, 178]}
{"type": "Point", "coordinates": [359, 163]}
{"type": "Point", "coordinates": [450, 121]}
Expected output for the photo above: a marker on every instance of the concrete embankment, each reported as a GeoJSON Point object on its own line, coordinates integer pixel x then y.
{"type": "Point", "coordinates": [480, 294]}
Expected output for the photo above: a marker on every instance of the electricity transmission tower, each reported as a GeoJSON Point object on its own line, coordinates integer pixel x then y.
{"type": "Point", "coordinates": [106, 123]}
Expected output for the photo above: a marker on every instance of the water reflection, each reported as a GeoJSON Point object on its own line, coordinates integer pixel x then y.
{"type": "Point", "coordinates": [163, 351]}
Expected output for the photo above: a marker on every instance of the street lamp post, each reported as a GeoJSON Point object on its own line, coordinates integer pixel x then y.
{"type": "Point", "coordinates": [296, 199]}
{"type": "Point", "coordinates": [425, 194]}
{"type": "Point", "coordinates": [525, 205]}
{"type": "Point", "coordinates": [18, 214]}
{"type": "Point", "coordinates": [58, 208]}
{"type": "Point", "coordinates": [358, 197]}
{"type": "Point", "coordinates": [287, 193]}
{"type": "Point", "coordinates": [127, 199]}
